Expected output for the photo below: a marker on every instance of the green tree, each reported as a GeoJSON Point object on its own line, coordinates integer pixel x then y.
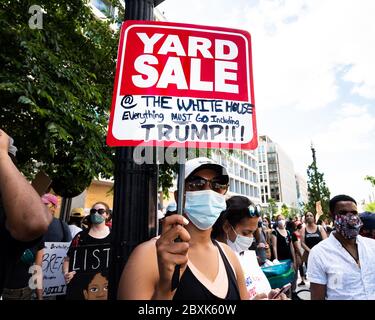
{"type": "Point", "coordinates": [370, 207]}
{"type": "Point", "coordinates": [317, 188]}
{"type": "Point", "coordinates": [56, 89]}
{"type": "Point", "coordinates": [285, 210]}
{"type": "Point", "coordinates": [294, 212]}
{"type": "Point", "coordinates": [371, 179]}
{"type": "Point", "coordinates": [272, 207]}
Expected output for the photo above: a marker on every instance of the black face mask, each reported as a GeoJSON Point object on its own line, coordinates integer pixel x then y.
{"type": "Point", "coordinates": [260, 224]}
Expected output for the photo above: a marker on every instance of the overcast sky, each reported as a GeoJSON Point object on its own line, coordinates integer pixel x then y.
{"type": "Point", "coordinates": [314, 78]}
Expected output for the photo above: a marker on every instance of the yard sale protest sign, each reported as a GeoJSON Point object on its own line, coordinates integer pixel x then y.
{"type": "Point", "coordinates": [181, 83]}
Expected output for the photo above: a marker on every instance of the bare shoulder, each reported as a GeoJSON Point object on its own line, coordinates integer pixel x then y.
{"type": "Point", "coordinates": [145, 251]}
{"type": "Point", "coordinates": [230, 254]}
{"type": "Point", "coordinates": [140, 273]}
{"type": "Point", "coordinates": [226, 248]}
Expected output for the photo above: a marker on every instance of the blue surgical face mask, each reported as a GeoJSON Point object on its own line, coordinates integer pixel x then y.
{"type": "Point", "coordinates": [204, 207]}
{"type": "Point", "coordinates": [97, 218]}
{"type": "Point", "coordinates": [241, 243]}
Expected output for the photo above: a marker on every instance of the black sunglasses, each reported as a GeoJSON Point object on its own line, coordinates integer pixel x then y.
{"type": "Point", "coordinates": [218, 184]}
{"type": "Point", "coordinates": [100, 211]}
{"type": "Point", "coordinates": [255, 211]}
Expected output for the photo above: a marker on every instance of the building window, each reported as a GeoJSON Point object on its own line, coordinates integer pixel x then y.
{"type": "Point", "coordinates": [236, 169]}
{"type": "Point", "coordinates": [256, 192]}
{"type": "Point", "coordinates": [231, 185]}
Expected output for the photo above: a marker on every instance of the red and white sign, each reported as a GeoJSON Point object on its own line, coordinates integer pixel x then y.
{"type": "Point", "coordinates": [180, 83]}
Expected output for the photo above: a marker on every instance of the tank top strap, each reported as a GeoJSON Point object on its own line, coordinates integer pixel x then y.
{"type": "Point", "coordinates": [232, 285]}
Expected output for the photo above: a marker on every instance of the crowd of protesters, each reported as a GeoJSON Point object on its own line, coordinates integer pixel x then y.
{"type": "Point", "coordinates": [227, 247]}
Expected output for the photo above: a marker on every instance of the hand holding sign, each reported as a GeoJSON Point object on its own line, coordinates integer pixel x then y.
{"type": "Point", "coordinates": [69, 276]}
{"type": "Point", "coordinates": [319, 210]}
{"type": "Point", "coordinates": [171, 253]}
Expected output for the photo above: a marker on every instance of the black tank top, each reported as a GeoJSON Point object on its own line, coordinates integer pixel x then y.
{"type": "Point", "coordinates": [283, 245]}
{"type": "Point", "coordinates": [190, 288]}
{"type": "Point", "coordinates": [312, 239]}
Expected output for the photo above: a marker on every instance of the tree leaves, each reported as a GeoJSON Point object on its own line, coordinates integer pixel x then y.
{"type": "Point", "coordinates": [56, 88]}
{"type": "Point", "coordinates": [318, 191]}
{"type": "Point", "coordinates": [371, 180]}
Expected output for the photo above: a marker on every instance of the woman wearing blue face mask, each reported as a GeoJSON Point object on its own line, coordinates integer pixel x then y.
{"type": "Point", "coordinates": [97, 236]}
{"type": "Point", "coordinates": [208, 270]}
{"type": "Point", "coordinates": [236, 227]}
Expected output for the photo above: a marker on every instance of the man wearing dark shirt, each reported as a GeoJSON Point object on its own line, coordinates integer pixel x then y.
{"type": "Point", "coordinates": [23, 217]}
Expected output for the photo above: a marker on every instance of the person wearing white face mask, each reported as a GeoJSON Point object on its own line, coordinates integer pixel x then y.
{"type": "Point", "coordinates": [236, 227]}
{"type": "Point", "coordinates": [208, 270]}
{"type": "Point", "coordinates": [282, 242]}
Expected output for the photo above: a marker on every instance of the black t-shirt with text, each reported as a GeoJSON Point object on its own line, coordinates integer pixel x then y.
{"type": "Point", "coordinates": [89, 257]}
{"type": "Point", "coordinates": [58, 231]}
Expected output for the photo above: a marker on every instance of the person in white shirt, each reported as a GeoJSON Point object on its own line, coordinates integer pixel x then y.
{"type": "Point", "coordinates": [75, 221]}
{"type": "Point", "coordinates": [341, 267]}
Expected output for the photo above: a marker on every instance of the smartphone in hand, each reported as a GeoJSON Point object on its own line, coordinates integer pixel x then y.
{"type": "Point", "coordinates": [282, 290]}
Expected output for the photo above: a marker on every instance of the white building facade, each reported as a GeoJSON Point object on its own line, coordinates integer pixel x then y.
{"type": "Point", "coordinates": [242, 167]}
{"type": "Point", "coordinates": [276, 174]}
{"type": "Point", "coordinates": [302, 194]}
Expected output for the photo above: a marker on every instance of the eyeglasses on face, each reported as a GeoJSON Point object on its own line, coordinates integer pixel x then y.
{"type": "Point", "coordinates": [218, 184]}
{"type": "Point", "coordinates": [100, 211]}
{"type": "Point", "coordinates": [254, 211]}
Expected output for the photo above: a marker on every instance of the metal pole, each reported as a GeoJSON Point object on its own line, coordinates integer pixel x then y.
{"type": "Point", "coordinates": [135, 187]}
{"type": "Point", "coordinates": [180, 208]}
{"type": "Point", "coordinates": [181, 182]}
{"type": "Point", "coordinates": [66, 204]}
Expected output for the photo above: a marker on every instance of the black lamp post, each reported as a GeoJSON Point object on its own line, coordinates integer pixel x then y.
{"type": "Point", "coordinates": [135, 187]}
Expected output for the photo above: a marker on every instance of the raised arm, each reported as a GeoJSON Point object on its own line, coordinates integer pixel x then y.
{"type": "Point", "coordinates": [26, 216]}
{"type": "Point", "coordinates": [158, 260]}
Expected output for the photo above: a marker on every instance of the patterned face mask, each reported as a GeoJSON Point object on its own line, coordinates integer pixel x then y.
{"type": "Point", "coordinates": [348, 225]}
